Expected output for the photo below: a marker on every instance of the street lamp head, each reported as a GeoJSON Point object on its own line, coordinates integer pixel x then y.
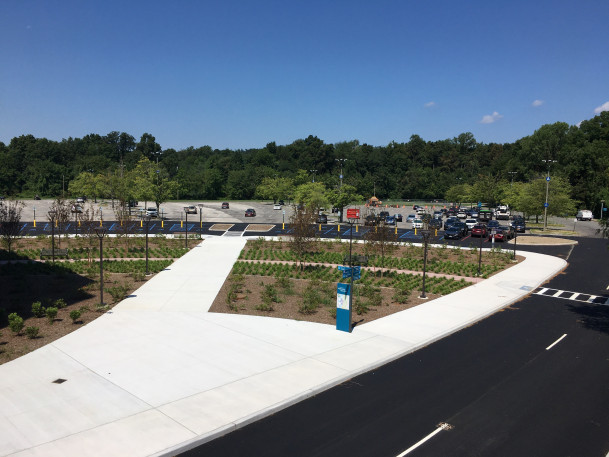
{"type": "Point", "coordinates": [426, 234]}
{"type": "Point", "coordinates": [100, 232]}
{"type": "Point", "coordinates": [52, 214]}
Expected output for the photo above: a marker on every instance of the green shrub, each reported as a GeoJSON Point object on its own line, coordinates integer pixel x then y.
{"type": "Point", "coordinates": [15, 323]}
{"type": "Point", "coordinates": [60, 303]}
{"type": "Point", "coordinates": [32, 332]}
{"type": "Point", "coordinates": [75, 315]}
{"type": "Point", "coordinates": [118, 292]}
{"type": "Point", "coordinates": [101, 308]}
{"type": "Point", "coordinates": [37, 309]}
{"type": "Point", "coordinates": [51, 313]}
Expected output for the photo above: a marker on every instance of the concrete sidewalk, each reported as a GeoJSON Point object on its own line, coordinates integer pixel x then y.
{"type": "Point", "coordinates": [159, 373]}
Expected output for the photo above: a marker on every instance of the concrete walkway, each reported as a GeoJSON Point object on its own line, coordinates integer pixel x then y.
{"type": "Point", "coordinates": [159, 373]}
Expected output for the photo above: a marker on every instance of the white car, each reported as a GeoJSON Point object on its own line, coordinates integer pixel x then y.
{"type": "Point", "coordinates": [417, 223]}
{"type": "Point", "coordinates": [461, 214]}
{"type": "Point", "coordinates": [276, 206]}
{"type": "Point", "coordinates": [411, 217]}
{"type": "Point", "coordinates": [470, 223]}
{"type": "Point", "coordinates": [584, 215]}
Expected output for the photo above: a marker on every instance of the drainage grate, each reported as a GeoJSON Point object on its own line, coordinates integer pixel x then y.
{"type": "Point", "coordinates": [59, 381]}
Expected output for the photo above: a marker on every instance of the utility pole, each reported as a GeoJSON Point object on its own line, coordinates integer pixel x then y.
{"type": "Point", "coordinates": [313, 171]}
{"type": "Point", "coordinates": [512, 173]}
{"type": "Point", "coordinates": [545, 206]}
{"type": "Point", "coordinates": [341, 161]}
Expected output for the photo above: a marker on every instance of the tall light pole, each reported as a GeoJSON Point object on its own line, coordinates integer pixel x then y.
{"type": "Point", "coordinates": [602, 208]}
{"type": "Point", "coordinates": [313, 171]}
{"type": "Point", "coordinates": [147, 220]}
{"type": "Point", "coordinates": [545, 206]}
{"type": "Point", "coordinates": [186, 232]}
{"type": "Point", "coordinates": [342, 162]}
{"type": "Point", "coordinates": [426, 235]}
{"type": "Point", "coordinates": [52, 217]}
{"type": "Point", "coordinates": [101, 232]}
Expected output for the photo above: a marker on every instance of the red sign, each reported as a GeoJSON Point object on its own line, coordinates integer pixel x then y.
{"type": "Point", "coordinates": [352, 213]}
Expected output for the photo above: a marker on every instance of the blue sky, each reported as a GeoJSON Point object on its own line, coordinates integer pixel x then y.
{"type": "Point", "coordinates": [239, 74]}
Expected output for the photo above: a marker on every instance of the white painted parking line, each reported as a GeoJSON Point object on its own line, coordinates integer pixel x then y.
{"type": "Point", "coordinates": [442, 426]}
{"type": "Point", "coordinates": [542, 291]}
{"type": "Point", "coordinates": [574, 296]}
{"type": "Point", "coordinates": [558, 292]}
{"type": "Point", "coordinates": [556, 342]}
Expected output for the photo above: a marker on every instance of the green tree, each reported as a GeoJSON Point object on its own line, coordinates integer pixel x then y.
{"type": "Point", "coordinates": [10, 218]}
{"type": "Point", "coordinates": [312, 195]}
{"type": "Point", "coordinates": [275, 188]}
{"type": "Point", "coordinates": [532, 197]}
{"type": "Point", "coordinates": [343, 196]}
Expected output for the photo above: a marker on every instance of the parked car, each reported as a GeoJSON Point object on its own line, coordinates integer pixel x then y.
{"type": "Point", "coordinates": [453, 233]}
{"type": "Point", "coordinates": [421, 211]}
{"type": "Point", "coordinates": [435, 224]}
{"type": "Point", "coordinates": [479, 230]}
{"type": "Point", "coordinates": [519, 225]}
{"type": "Point", "coordinates": [383, 214]}
{"type": "Point", "coordinates": [398, 217]}
{"type": "Point", "coordinates": [461, 214]}
{"type": "Point", "coordinates": [250, 212]}
{"type": "Point", "coordinates": [225, 205]}
{"type": "Point", "coordinates": [450, 221]}
{"type": "Point", "coordinates": [81, 199]}
{"type": "Point", "coordinates": [281, 202]}
{"type": "Point", "coordinates": [492, 224]}
{"type": "Point", "coordinates": [390, 220]}
{"type": "Point", "coordinates": [76, 209]}
{"type": "Point", "coordinates": [276, 206]}
{"type": "Point", "coordinates": [417, 224]}
{"type": "Point", "coordinates": [438, 214]}
{"type": "Point", "coordinates": [190, 209]}
{"type": "Point", "coordinates": [461, 226]}
{"type": "Point", "coordinates": [470, 223]}
{"type": "Point", "coordinates": [502, 233]}
{"type": "Point", "coordinates": [584, 215]}
{"type": "Point", "coordinates": [322, 219]}
{"type": "Point", "coordinates": [132, 203]}
{"type": "Point", "coordinates": [37, 197]}
{"type": "Point", "coordinates": [410, 218]}
{"type": "Point", "coordinates": [152, 212]}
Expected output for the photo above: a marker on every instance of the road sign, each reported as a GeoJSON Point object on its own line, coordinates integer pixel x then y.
{"type": "Point", "coordinates": [352, 213]}
{"type": "Point", "coordinates": [547, 178]}
{"type": "Point", "coordinates": [479, 204]}
{"type": "Point", "coordinates": [545, 205]}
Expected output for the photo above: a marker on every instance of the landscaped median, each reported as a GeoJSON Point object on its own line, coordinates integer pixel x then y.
{"type": "Point", "coordinates": [270, 279]}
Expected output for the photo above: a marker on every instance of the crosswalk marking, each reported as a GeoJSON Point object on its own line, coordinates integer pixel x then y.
{"type": "Point", "coordinates": [573, 296]}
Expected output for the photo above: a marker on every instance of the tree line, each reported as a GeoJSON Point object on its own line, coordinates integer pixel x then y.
{"type": "Point", "coordinates": [116, 165]}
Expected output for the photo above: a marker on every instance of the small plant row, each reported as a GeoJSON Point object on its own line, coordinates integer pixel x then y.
{"type": "Point", "coordinates": [434, 284]}
{"type": "Point", "coordinates": [460, 268]}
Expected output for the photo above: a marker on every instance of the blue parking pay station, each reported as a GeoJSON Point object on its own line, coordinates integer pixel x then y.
{"type": "Point", "coordinates": [343, 307]}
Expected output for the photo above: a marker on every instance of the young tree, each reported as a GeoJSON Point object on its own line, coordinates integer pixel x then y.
{"type": "Point", "coordinates": [302, 224]}
{"type": "Point", "coordinates": [10, 222]}
{"type": "Point", "coordinates": [343, 196]}
{"type": "Point", "coordinates": [89, 220]}
{"type": "Point", "coordinates": [381, 239]}
{"type": "Point", "coordinates": [60, 210]}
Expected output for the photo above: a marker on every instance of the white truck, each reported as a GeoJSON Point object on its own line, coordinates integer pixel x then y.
{"type": "Point", "coordinates": [584, 215]}
{"type": "Point", "coordinates": [502, 212]}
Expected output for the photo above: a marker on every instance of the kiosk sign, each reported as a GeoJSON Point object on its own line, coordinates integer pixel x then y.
{"type": "Point", "coordinates": [343, 307]}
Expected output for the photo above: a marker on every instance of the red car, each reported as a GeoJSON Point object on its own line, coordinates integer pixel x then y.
{"type": "Point", "coordinates": [479, 230]}
{"type": "Point", "coordinates": [225, 205]}
{"type": "Point", "coordinates": [502, 233]}
{"type": "Point", "coordinates": [250, 212]}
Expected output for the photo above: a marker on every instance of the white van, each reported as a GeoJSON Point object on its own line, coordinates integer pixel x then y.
{"type": "Point", "coordinates": [584, 215]}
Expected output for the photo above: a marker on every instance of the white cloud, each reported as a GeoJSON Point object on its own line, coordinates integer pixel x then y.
{"type": "Point", "coordinates": [490, 118]}
{"type": "Point", "coordinates": [603, 107]}
{"type": "Point", "coordinates": [537, 103]}
{"type": "Point", "coordinates": [430, 104]}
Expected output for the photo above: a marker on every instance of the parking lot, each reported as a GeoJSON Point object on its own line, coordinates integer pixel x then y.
{"type": "Point", "coordinates": [211, 211]}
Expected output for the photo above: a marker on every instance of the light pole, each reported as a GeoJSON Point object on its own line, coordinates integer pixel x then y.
{"type": "Point", "coordinates": [426, 235]}
{"type": "Point", "coordinates": [52, 217]}
{"type": "Point", "coordinates": [351, 222]}
{"type": "Point", "coordinates": [200, 220]}
{"type": "Point", "coordinates": [186, 232]}
{"type": "Point", "coordinates": [545, 206]}
{"type": "Point", "coordinates": [515, 237]}
{"type": "Point", "coordinates": [602, 208]}
{"type": "Point", "coordinates": [101, 232]}
{"type": "Point", "coordinates": [313, 171]}
{"type": "Point", "coordinates": [342, 162]}
{"type": "Point", "coordinates": [147, 220]}
{"type": "Point", "coordinates": [480, 254]}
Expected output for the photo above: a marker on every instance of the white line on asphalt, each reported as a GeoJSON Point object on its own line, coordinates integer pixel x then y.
{"type": "Point", "coordinates": [555, 342]}
{"type": "Point", "coordinates": [428, 437]}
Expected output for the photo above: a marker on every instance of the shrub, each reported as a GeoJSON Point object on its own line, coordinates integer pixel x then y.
{"type": "Point", "coordinates": [15, 323]}
{"type": "Point", "coordinates": [51, 313]}
{"type": "Point", "coordinates": [60, 303]}
{"type": "Point", "coordinates": [75, 315]}
{"type": "Point", "coordinates": [138, 276]}
{"type": "Point", "coordinates": [101, 308]}
{"type": "Point", "coordinates": [118, 292]}
{"type": "Point", "coordinates": [32, 332]}
{"type": "Point", "coordinates": [37, 309]}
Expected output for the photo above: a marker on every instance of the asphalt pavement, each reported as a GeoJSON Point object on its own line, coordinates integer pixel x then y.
{"type": "Point", "coordinates": [160, 374]}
